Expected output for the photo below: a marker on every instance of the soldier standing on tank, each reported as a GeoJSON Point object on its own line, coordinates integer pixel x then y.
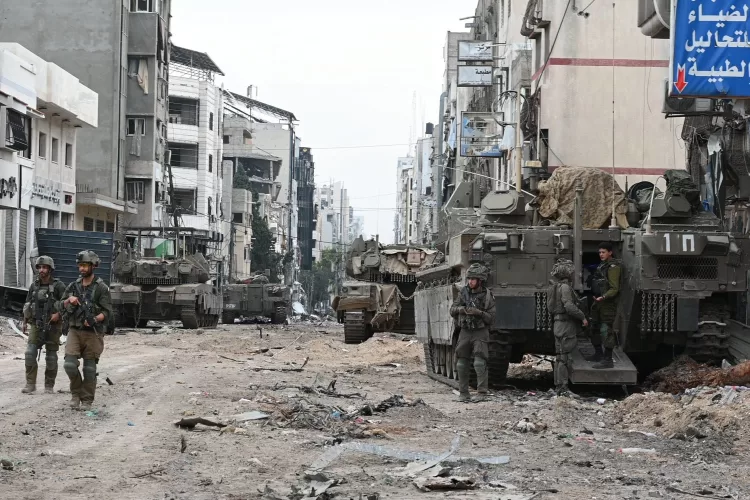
{"type": "Point", "coordinates": [562, 304]}
{"type": "Point", "coordinates": [41, 311]}
{"type": "Point", "coordinates": [604, 310]}
{"type": "Point", "coordinates": [89, 306]}
{"type": "Point", "coordinates": [474, 309]}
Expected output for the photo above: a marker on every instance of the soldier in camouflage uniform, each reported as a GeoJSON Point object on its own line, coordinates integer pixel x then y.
{"type": "Point", "coordinates": [606, 291]}
{"type": "Point", "coordinates": [474, 309]}
{"type": "Point", "coordinates": [563, 305]}
{"type": "Point", "coordinates": [41, 312]}
{"type": "Point", "coordinates": [89, 307]}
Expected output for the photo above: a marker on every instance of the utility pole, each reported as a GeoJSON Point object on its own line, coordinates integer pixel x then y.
{"type": "Point", "coordinates": [232, 232]}
{"type": "Point", "coordinates": [519, 141]}
{"type": "Point", "coordinates": [171, 194]}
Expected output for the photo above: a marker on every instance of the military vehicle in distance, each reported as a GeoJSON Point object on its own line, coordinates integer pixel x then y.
{"type": "Point", "coordinates": [256, 297]}
{"type": "Point", "coordinates": [382, 278]}
{"type": "Point", "coordinates": [683, 288]}
{"type": "Point", "coordinates": [162, 274]}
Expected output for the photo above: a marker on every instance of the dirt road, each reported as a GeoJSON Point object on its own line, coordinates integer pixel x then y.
{"type": "Point", "coordinates": [129, 448]}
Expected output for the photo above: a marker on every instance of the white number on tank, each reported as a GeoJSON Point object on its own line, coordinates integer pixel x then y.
{"type": "Point", "coordinates": [688, 238]}
{"type": "Point", "coordinates": [667, 245]}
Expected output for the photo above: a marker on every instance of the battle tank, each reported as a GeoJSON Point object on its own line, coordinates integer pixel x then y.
{"type": "Point", "coordinates": [164, 277]}
{"type": "Point", "coordinates": [256, 297]}
{"type": "Point", "coordinates": [378, 297]}
{"type": "Point", "coordinates": [683, 288]}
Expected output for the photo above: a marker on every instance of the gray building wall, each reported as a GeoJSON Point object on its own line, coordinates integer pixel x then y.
{"type": "Point", "coordinates": [86, 40]}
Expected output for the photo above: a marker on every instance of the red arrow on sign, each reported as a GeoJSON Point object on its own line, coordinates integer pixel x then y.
{"type": "Point", "coordinates": [680, 84]}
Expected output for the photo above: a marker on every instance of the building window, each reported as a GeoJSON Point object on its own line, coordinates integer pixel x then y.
{"type": "Point", "coordinates": [184, 111]}
{"type": "Point", "coordinates": [66, 221]}
{"type": "Point", "coordinates": [42, 145]}
{"type": "Point", "coordinates": [136, 126]}
{"type": "Point", "coordinates": [135, 191]}
{"type": "Point", "coordinates": [52, 219]}
{"type": "Point", "coordinates": [18, 132]}
{"type": "Point", "coordinates": [210, 121]}
{"type": "Point", "coordinates": [157, 192]}
{"type": "Point", "coordinates": [226, 139]}
{"type": "Point", "coordinates": [68, 154]}
{"type": "Point", "coordinates": [184, 155]}
{"type": "Point", "coordinates": [237, 217]}
{"type": "Point", "coordinates": [56, 151]}
{"type": "Point", "coordinates": [99, 226]}
{"type": "Point", "coordinates": [185, 199]}
{"type": "Point", "coordinates": [110, 227]}
{"type": "Point", "coordinates": [210, 163]}
{"type": "Point", "coordinates": [88, 224]}
{"type": "Point", "coordinates": [141, 5]}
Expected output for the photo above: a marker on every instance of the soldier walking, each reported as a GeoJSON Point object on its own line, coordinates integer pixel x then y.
{"type": "Point", "coordinates": [89, 306]}
{"type": "Point", "coordinates": [474, 309]}
{"type": "Point", "coordinates": [562, 303]}
{"type": "Point", "coordinates": [41, 312]}
{"type": "Point", "coordinates": [606, 291]}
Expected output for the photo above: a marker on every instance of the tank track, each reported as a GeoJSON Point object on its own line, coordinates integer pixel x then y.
{"type": "Point", "coordinates": [710, 343]}
{"type": "Point", "coordinates": [356, 330]}
{"type": "Point", "coordinates": [406, 324]}
{"type": "Point", "coordinates": [192, 319]}
{"type": "Point", "coordinates": [440, 362]}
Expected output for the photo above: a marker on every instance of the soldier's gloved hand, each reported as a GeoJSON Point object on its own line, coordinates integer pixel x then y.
{"type": "Point", "coordinates": [473, 311]}
{"type": "Point", "coordinates": [585, 322]}
{"type": "Point", "coordinates": [54, 318]}
{"type": "Point", "coordinates": [462, 310]}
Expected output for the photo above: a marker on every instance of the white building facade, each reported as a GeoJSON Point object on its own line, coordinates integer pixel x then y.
{"type": "Point", "coordinates": [41, 109]}
{"type": "Point", "coordinates": [404, 229]}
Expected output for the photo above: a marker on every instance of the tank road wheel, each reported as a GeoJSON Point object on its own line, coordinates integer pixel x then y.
{"type": "Point", "coordinates": [356, 330]}
{"type": "Point", "coordinates": [279, 315]}
{"type": "Point", "coordinates": [189, 317]}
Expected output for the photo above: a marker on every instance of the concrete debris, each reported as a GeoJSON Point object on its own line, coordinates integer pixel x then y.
{"type": "Point", "coordinates": [6, 464]}
{"type": "Point", "coordinates": [685, 373]}
{"type": "Point", "coordinates": [250, 415]}
{"type": "Point", "coordinates": [444, 483]}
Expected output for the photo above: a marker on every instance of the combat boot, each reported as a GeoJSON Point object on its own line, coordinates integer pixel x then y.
{"type": "Point", "coordinates": [85, 406]}
{"type": "Point", "coordinates": [49, 389]}
{"type": "Point", "coordinates": [29, 389]}
{"type": "Point", "coordinates": [597, 356]}
{"type": "Point", "coordinates": [75, 401]}
{"type": "Point", "coordinates": [606, 362]}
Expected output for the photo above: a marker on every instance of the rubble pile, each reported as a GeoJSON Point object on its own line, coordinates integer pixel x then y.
{"type": "Point", "coordinates": [685, 373]}
{"type": "Point", "coordinates": [701, 412]}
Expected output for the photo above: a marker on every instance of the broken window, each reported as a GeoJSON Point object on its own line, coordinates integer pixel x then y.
{"type": "Point", "coordinates": [237, 218]}
{"type": "Point", "coordinates": [185, 200]}
{"type": "Point", "coordinates": [138, 69]}
{"type": "Point", "coordinates": [136, 126]}
{"type": "Point", "coordinates": [15, 130]}
{"type": "Point", "coordinates": [141, 5]}
{"type": "Point", "coordinates": [183, 111]}
{"type": "Point", "coordinates": [135, 191]}
{"type": "Point", "coordinates": [184, 155]}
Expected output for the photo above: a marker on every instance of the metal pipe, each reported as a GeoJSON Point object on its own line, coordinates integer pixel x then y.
{"type": "Point", "coordinates": [519, 142]}
{"type": "Point", "coordinates": [439, 177]}
{"type": "Point", "coordinates": [578, 240]}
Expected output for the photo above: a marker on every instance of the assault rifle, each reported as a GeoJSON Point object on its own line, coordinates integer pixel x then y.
{"type": "Point", "coordinates": [43, 326]}
{"type": "Point", "coordinates": [86, 306]}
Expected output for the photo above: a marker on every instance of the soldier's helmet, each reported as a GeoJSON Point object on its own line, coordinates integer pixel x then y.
{"type": "Point", "coordinates": [563, 269]}
{"type": "Point", "coordinates": [45, 260]}
{"type": "Point", "coordinates": [477, 271]}
{"type": "Point", "coordinates": [87, 257]}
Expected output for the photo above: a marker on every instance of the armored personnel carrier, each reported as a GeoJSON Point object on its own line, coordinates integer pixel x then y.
{"type": "Point", "coordinates": [163, 274]}
{"type": "Point", "coordinates": [378, 297]}
{"type": "Point", "coordinates": [683, 287]}
{"type": "Point", "coordinates": [256, 297]}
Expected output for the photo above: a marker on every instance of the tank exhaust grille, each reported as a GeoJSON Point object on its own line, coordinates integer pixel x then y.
{"type": "Point", "coordinates": [687, 268]}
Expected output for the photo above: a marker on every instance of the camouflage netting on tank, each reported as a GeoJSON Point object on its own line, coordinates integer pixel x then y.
{"type": "Point", "coordinates": [557, 197]}
{"type": "Point", "coordinates": [386, 303]}
{"type": "Point", "coordinates": [366, 256]}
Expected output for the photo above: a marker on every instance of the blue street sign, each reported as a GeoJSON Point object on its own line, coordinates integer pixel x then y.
{"type": "Point", "coordinates": [710, 49]}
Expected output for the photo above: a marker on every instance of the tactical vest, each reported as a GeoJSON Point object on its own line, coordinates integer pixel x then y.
{"type": "Point", "coordinates": [600, 284]}
{"type": "Point", "coordinates": [474, 300]}
{"type": "Point", "coordinates": [43, 298]}
{"type": "Point", "coordinates": [554, 298]}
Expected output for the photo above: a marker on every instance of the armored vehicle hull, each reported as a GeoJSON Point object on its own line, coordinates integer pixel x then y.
{"type": "Point", "coordinates": [683, 290]}
{"type": "Point", "coordinates": [367, 308]}
{"type": "Point", "coordinates": [256, 299]}
{"type": "Point", "coordinates": [162, 274]}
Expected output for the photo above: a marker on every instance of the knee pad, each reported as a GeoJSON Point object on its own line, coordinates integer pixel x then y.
{"type": "Point", "coordinates": [480, 363]}
{"type": "Point", "coordinates": [30, 355]}
{"type": "Point", "coordinates": [71, 365]}
{"type": "Point", "coordinates": [462, 362]}
{"type": "Point", "coordinates": [89, 369]}
{"type": "Point", "coordinates": [51, 357]}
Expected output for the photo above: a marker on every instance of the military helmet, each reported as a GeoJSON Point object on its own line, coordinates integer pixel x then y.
{"type": "Point", "coordinates": [87, 257]}
{"type": "Point", "coordinates": [477, 271]}
{"type": "Point", "coordinates": [45, 260]}
{"type": "Point", "coordinates": [563, 269]}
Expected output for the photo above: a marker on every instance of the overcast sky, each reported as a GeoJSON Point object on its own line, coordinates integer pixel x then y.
{"type": "Point", "coordinates": [347, 69]}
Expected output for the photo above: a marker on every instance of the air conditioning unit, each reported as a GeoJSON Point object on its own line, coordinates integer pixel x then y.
{"type": "Point", "coordinates": [686, 106]}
